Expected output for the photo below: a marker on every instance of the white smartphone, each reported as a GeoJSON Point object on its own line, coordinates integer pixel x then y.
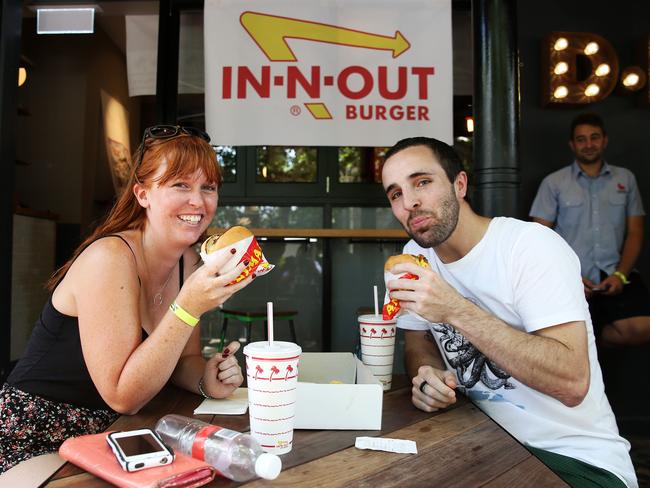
{"type": "Point", "coordinates": [139, 449]}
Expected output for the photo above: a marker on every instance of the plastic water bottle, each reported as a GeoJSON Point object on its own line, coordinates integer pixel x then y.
{"type": "Point", "coordinates": [235, 455]}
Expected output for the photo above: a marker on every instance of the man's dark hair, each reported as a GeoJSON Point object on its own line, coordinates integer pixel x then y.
{"type": "Point", "coordinates": [588, 118]}
{"type": "Point", "coordinates": [446, 155]}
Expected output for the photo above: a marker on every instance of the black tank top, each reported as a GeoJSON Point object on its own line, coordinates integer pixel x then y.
{"type": "Point", "coordinates": [53, 366]}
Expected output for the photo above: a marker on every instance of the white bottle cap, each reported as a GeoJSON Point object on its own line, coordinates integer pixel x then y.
{"type": "Point", "coordinates": [268, 466]}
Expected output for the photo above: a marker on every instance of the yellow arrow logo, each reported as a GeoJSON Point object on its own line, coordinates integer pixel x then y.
{"type": "Point", "coordinates": [271, 32]}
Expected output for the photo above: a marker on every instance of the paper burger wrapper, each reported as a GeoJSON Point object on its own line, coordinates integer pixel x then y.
{"type": "Point", "coordinates": [392, 307]}
{"type": "Point", "coordinates": [245, 249]}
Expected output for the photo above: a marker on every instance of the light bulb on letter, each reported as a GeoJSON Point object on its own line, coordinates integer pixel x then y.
{"type": "Point", "coordinates": [561, 68]}
{"type": "Point", "coordinates": [560, 44]}
{"type": "Point", "coordinates": [602, 70]}
{"type": "Point", "coordinates": [561, 92]}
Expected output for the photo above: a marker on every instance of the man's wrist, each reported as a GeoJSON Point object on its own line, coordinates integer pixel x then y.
{"type": "Point", "coordinates": [621, 276]}
{"type": "Point", "coordinates": [463, 312]}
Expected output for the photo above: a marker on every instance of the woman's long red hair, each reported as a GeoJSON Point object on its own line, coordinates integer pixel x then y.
{"type": "Point", "coordinates": [184, 156]}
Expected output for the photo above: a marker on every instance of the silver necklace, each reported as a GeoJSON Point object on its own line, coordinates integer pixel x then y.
{"type": "Point", "coordinates": [157, 298]}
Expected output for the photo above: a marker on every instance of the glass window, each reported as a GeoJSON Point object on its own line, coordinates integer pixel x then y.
{"type": "Point", "coordinates": [464, 148]}
{"type": "Point", "coordinates": [356, 267]}
{"type": "Point", "coordinates": [360, 164]}
{"type": "Point", "coordinates": [227, 157]}
{"type": "Point", "coordinates": [296, 283]}
{"type": "Point", "coordinates": [279, 164]}
{"type": "Point", "coordinates": [269, 217]}
{"type": "Point", "coordinates": [363, 218]}
{"type": "Point", "coordinates": [191, 100]}
{"type": "Point", "coordinates": [190, 53]}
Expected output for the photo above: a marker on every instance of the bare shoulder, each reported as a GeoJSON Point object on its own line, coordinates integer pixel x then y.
{"type": "Point", "coordinates": [109, 257]}
{"type": "Point", "coordinates": [106, 269]}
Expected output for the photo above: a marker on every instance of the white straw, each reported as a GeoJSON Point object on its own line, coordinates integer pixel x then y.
{"type": "Point", "coordinates": [374, 289]}
{"type": "Point", "coordinates": [269, 319]}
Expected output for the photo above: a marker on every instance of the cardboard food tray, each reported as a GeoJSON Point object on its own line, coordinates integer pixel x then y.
{"type": "Point", "coordinates": [354, 404]}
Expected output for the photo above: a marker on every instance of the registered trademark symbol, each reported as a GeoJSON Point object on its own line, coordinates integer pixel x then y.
{"type": "Point", "coordinates": [295, 110]}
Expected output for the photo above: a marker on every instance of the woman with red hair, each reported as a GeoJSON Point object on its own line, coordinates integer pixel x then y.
{"type": "Point", "coordinates": [120, 321]}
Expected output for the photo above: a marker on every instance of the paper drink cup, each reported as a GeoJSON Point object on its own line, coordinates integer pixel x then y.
{"type": "Point", "coordinates": [272, 376]}
{"type": "Point", "coordinates": [378, 346]}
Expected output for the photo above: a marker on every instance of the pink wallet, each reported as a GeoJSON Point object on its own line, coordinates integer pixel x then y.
{"type": "Point", "coordinates": [93, 454]}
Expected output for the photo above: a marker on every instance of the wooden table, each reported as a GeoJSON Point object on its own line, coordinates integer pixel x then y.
{"type": "Point", "coordinates": [460, 446]}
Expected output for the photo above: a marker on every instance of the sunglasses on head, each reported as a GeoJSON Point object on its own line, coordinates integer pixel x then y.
{"type": "Point", "coordinates": [169, 132]}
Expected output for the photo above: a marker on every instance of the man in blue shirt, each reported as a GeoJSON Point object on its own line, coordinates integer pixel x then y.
{"type": "Point", "coordinates": [597, 209]}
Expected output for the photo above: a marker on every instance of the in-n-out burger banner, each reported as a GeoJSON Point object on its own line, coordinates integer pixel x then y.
{"type": "Point", "coordinates": [337, 72]}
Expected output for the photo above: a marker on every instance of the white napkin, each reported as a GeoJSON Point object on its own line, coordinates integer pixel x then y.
{"type": "Point", "coordinates": [235, 404]}
{"type": "Point", "coordinates": [401, 446]}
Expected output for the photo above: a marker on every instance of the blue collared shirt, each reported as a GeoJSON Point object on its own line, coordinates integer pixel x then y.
{"type": "Point", "coordinates": [590, 213]}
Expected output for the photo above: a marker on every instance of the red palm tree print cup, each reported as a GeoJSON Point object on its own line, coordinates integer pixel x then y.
{"type": "Point", "coordinates": [272, 376]}
{"type": "Point", "coordinates": [378, 346]}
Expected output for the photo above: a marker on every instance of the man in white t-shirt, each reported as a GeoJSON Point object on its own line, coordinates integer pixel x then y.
{"type": "Point", "coordinates": [504, 304]}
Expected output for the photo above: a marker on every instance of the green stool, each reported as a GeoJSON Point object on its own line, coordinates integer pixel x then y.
{"type": "Point", "coordinates": [248, 317]}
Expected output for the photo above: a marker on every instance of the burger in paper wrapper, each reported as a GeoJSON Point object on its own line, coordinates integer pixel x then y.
{"type": "Point", "coordinates": [391, 305]}
{"type": "Point", "coordinates": [246, 248]}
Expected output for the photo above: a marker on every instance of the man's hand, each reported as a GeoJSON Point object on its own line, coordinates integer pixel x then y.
{"type": "Point", "coordinates": [430, 296]}
{"type": "Point", "coordinates": [433, 389]}
{"type": "Point", "coordinates": [612, 285]}
{"type": "Point", "coordinates": [589, 287]}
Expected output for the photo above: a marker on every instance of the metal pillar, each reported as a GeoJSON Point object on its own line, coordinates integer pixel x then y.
{"type": "Point", "coordinates": [10, 30]}
{"type": "Point", "coordinates": [167, 65]}
{"type": "Point", "coordinates": [496, 107]}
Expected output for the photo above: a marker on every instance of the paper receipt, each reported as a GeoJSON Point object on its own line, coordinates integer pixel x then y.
{"type": "Point", "coordinates": [401, 446]}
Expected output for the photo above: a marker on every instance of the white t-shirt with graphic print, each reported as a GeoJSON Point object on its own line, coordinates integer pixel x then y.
{"type": "Point", "coordinates": [527, 276]}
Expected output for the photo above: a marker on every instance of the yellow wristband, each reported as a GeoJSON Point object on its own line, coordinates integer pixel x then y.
{"type": "Point", "coordinates": [621, 276]}
{"type": "Point", "coordinates": [183, 314]}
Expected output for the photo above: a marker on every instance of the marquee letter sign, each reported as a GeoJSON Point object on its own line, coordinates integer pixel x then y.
{"type": "Point", "coordinates": [560, 52]}
{"type": "Point", "coordinates": [564, 84]}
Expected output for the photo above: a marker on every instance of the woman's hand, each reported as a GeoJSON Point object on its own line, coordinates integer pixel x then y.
{"type": "Point", "coordinates": [222, 373]}
{"type": "Point", "coordinates": [206, 288]}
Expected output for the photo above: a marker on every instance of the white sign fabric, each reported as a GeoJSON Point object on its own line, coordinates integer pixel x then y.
{"type": "Point", "coordinates": [142, 53]}
{"type": "Point", "coordinates": [328, 72]}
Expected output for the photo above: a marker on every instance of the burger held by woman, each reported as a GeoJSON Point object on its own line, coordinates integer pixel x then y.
{"type": "Point", "coordinates": [121, 320]}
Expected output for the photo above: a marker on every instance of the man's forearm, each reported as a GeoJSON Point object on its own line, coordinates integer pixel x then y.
{"type": "Point", "coordinates": [553, 361]}
{"type": "Point", "coordinates": [631, 251]}
{"type": "Point", "coordinates": [421, 350]}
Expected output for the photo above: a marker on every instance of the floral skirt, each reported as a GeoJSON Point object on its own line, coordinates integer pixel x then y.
{"type": "Point", "coordinates": [31, 425]}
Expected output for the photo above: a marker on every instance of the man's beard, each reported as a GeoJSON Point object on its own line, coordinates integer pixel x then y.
{"type": "Point", "coordinates": [589, 159]}
{"type": "Point", "coordinates": [443, 227]}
